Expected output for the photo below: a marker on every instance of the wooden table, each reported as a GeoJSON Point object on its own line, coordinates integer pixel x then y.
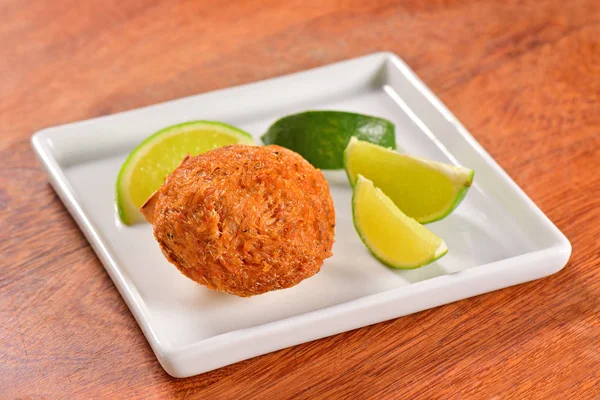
{"type": "Point", "coordinates": [523, 77]}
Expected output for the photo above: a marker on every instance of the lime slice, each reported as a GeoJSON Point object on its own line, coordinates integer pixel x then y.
{"type": "Point", "coordinates": [423, 189]}
{"type": "Point", "coordinates": [149, 163]}
{"type": "Point", "coordinates": [322, 136]}
{"type": "Point", "coordinates": [393, 238]}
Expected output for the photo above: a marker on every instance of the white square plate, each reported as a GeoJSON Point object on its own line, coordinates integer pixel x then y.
{"type": "Point", "coordinates": [497, 237]}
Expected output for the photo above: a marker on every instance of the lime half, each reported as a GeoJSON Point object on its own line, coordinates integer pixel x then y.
{"type": "Point", "coordinates": [147, 166]}
{"type": "Point", "coordinates": [393, 238]}
{"type": "Point", "coordinates": [423, 189]}
{"type": "Point", "coordinates": [322, 136]}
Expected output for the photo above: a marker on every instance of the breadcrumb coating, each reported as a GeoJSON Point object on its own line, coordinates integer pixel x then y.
{"type": "Point", "coordinates": [245, 219]}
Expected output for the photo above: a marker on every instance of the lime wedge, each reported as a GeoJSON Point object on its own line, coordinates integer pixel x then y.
{"type": "Point", "coordinates": [147, 166]}
{"type": "Point", "coordinates": [423, 189]}
{"type": "Point", "coordinates": [393, 238]}
{"type": "Point", "coordinates": [322, 136]}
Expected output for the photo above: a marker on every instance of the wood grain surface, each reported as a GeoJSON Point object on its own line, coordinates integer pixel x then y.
{"type": "Point", "coordinates": [523, 77]}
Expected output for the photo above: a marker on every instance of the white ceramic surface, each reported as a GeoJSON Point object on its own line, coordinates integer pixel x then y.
{"type": "Point", "coordinates": [497, 237]}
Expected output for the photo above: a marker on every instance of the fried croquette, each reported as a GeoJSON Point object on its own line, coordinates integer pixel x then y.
{"type": "Point", "coordinates": [244, 219]}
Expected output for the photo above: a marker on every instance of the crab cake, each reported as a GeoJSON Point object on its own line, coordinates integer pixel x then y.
{"type": "Point", "coordinates": [244, 219]}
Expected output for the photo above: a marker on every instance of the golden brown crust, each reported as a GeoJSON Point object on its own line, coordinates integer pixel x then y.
{"type": "Point", "coordinates": [245, 219]}
{"type": "Point", "coordinates": [147, 208]}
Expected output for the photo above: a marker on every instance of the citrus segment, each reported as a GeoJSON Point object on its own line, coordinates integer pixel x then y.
{"type": "Point", "coordinates": [394, 238]}
{"type": "Point", "coordinates": [147, 166]}
{"type": "Point", "coordinates": [423, 189]}
{"type": "Point", "coordinates": [322, 136]}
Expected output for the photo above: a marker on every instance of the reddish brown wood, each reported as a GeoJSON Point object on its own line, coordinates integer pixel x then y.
{"type": "Point", "coordinates": [523, 76]}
